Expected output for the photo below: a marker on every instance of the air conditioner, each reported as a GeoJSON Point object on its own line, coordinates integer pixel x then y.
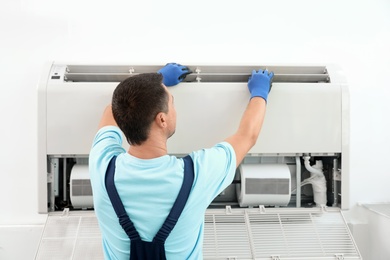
{"type": "Point", "coordinates": [306, 129]}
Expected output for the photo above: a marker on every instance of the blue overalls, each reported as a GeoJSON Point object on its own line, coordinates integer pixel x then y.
{"type": "Point", "coordinates": [141, 249]}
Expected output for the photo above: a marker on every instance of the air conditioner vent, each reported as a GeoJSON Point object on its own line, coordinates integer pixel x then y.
{"type": "Point", "coordinates": [290, 74]}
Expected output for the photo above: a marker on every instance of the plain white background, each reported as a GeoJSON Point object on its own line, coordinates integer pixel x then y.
{"type": "Point", "coordinates": [353, 34]}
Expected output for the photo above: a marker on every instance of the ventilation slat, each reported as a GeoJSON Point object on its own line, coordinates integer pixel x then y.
{"type": "Point", "coordinates": [96, 77]}
{"type": "Point", "coordinates": [205, 77]}
{"type": "Point", "coordinates": [298, 74]}
{"type": "Point", "coordinates": [201, 69]}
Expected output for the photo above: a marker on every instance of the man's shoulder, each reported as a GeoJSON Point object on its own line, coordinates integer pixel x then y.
{"type": "Point", "coordinates": [219, 149]}
{"type": "Point", "coordinates": [219, 158]}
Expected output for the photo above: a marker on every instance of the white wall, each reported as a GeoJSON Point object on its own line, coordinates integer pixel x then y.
{"type": "Point", "coordinates": [353, 34]}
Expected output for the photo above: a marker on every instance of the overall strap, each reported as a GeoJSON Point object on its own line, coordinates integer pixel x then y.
{"type": "Point", "coordinates": [173, 216]}
{"type": "Point", "coordinates": [116, 202]}
{"type": "Point", "coordinates": [180, 202]}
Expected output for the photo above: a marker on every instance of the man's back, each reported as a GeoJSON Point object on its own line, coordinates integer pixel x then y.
{"type": "Point", "coordinates": [148, 189]}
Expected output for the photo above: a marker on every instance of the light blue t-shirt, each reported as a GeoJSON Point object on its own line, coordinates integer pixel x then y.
{"type": "Point", "coordinates": [148, 189]}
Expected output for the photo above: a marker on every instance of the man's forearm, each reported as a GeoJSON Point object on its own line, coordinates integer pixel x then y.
{"type": "Point", "coordinates": [252, 120]}
{"type": "Point", "coordinates": [249, 129]}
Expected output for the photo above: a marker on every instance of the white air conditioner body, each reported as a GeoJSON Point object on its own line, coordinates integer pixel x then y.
{"type": "Point", "coordinates": [307, 115]}
{"type": "Point", "coordinates": [302, 117]}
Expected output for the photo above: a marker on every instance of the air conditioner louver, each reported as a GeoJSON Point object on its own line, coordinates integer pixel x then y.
{"type": "Point", "coordinates": [298, 74]}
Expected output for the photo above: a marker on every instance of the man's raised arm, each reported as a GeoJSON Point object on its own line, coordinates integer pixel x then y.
{"type": "Point", "coordinates": [245, 138]}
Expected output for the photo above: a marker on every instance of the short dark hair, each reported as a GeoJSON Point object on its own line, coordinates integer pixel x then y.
{"type": "Point", "coordinates": [135, 103]}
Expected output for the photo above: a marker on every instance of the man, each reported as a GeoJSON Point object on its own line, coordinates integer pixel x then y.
{"type": "Point", "coordinates": [147, 179]}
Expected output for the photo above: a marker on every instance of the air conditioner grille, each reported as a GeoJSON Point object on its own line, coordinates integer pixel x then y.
{"type": "Point", "coordinates": [228, 234]}
{"type": "Point", "coordinates": [296, 235]}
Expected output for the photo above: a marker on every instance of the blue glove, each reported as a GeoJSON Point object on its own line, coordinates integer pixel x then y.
{"type": "Point", "coordinates": [173, 74]}
{"type": "Point", "coordinates": [259, 83]}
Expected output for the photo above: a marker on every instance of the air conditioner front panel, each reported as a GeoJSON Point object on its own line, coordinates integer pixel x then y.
{"type": "Point", "coordinates": [300, 117]}
{"type": "Point", "coordinates": [74, 111]}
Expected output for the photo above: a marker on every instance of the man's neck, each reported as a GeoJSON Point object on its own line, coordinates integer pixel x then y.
{"type": "Point", "coordinates": [149, 150]}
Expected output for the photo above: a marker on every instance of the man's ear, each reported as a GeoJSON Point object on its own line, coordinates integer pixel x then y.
{"type": "Point", "coordinates": [161, 119]}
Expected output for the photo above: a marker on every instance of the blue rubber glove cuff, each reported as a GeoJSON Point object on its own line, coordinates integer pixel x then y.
{"type": "Point", "coordinates": [259, 84]}
{"type": "Point", "coordinates": [173, 74]}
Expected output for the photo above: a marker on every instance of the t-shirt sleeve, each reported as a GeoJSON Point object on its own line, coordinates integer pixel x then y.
{"type": "Point", "coordinates": [107, 143]}
{"type": "Point", "coordinates": [215, 170]}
